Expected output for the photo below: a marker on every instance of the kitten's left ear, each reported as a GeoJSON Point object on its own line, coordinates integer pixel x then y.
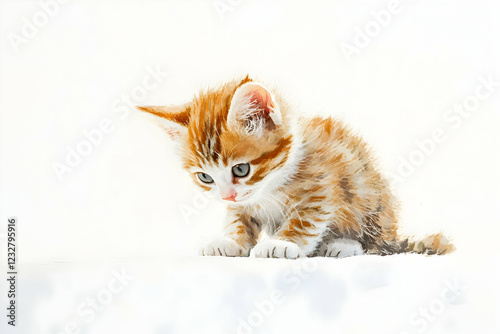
{"type": "Point", "coordinates": [254, 107]}
{"type": "Point", "coordinates": [173, 119]}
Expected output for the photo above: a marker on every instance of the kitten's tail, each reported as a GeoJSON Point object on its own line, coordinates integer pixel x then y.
{"type": "Point", "coordinates": [434, 244]}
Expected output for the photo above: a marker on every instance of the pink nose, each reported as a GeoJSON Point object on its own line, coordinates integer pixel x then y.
{"type": "Point", "coordinates": [230, 198]}
{"type": "Point", "coordinates": [228, 194]}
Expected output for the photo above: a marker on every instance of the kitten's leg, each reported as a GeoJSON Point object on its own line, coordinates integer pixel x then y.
{"type": "Point", "coordinates": [240, 236]}
{"type": "Point", "coordinates": [297, 237]}
{"type": "Point", "coordinates": [341, 248]}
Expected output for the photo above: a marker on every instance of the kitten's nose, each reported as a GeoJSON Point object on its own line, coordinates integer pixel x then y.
{"type": "Point", "coordinates": [230, 195]}
{"type": "Point", "coordinates": [230, 198]}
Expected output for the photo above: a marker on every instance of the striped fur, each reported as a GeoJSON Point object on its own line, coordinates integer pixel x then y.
{"type": "Point", "coordinates": [312, 182]}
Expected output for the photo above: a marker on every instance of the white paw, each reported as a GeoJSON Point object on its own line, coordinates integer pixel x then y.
{"type": "Point", "coordinates": [223, 247]}
{"type": "Point", "coordinates": [278, 249]}
{"type": "Point", "coordinates": [343, 248]}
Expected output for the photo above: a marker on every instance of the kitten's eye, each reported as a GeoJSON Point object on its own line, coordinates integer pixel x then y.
{"type": "Point", "coordinates": [205, 178]}
{"type": "Point", "coordinates": [241, 170]}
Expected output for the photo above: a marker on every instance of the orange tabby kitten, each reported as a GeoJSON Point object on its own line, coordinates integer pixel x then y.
{"type": "Point", "coordinates": [308, 182]}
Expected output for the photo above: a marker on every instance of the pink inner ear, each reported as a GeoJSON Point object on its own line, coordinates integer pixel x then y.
{"type": "Point", "coordinates": [264, 104]}
{"type": "Point", "coordinates": [262, 100]}
{"type": "Point", "coordinates": [254, 107]}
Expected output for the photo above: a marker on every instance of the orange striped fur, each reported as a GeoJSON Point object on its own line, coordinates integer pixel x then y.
{"type": "Point", "coordinates": [312, 185]}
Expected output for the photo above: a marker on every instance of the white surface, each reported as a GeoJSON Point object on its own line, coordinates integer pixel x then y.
{"type": "Point", "coordinates": [123, 203]}
{"type": "Point", "coordinates": [364, 294]}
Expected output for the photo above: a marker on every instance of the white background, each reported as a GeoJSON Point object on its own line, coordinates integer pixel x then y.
{"type": "Point", "coordinates": [121, 207]}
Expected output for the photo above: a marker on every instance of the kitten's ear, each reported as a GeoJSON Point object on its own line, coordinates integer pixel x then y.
{"type": "Point", "coordinates": [173, 119]}
{"type": "Point", "coordinates": [254, 107]}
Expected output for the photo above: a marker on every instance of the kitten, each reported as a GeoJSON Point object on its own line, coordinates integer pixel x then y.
{"type": "Point", "coordinates": [309, 183]}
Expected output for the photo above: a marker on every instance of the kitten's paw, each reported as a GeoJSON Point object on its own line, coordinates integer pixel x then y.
{"type": "Point", "coordinates": [341, 248]}
{"type": "Point", "coordinates": [278, 249]}
{"type": "Point", "coordinates": [223, 247]}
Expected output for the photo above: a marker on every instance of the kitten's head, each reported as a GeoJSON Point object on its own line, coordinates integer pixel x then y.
{"type": "Point", "coordinates": [237, 141]}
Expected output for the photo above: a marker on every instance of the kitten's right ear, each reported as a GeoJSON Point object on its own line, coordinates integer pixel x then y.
{"type": "Point", "coordinates": [173, 119]}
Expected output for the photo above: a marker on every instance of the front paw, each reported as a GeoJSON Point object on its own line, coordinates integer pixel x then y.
{"type": "Point", "coordinates": [223, 247]}
{"type": "Point", "coordinates": [341, 248]}
{"type": "Point", "coordinates": [278, 249]}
